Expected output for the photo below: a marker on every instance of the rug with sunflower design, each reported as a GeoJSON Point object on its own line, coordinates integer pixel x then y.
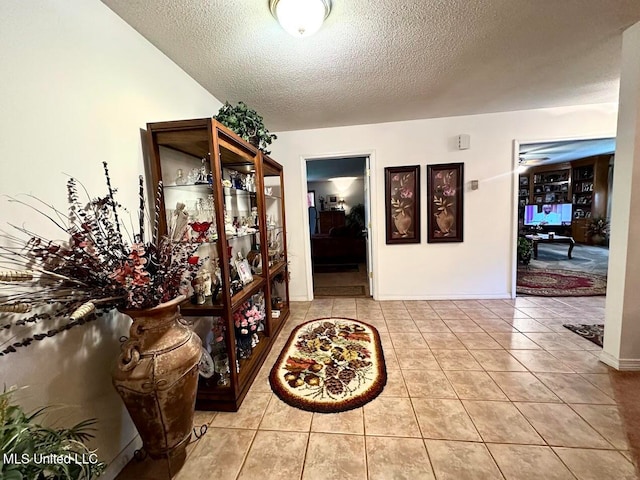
{"type": "Point", "coordinates": [330, 365]}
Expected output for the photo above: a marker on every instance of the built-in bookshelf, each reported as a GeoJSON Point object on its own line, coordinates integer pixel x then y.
{"type": "Point", "coordinates": [582, 183]}
{"type": "Point", "coordinates": [551, 187]}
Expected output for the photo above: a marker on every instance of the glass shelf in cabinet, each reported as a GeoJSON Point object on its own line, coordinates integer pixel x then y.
{"type": "Point", "coordinates": [272, 197]}
{"type": "Point", "coordinates": [192, 187]}
{"type": "Point", "coordinates": [242, 235]}
{"type": "Point", "coordinates": [193, 242]}
{"type": "Point", "coordinates": [237, 192]}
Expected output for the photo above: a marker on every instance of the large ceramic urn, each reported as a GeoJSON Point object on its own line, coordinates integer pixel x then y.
{"type": "Point", "coordinates": [157, 376]}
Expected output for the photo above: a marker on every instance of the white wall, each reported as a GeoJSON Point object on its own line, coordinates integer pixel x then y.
{"type": "Point", "coordinates": [78, 84]}
{"type": "Point", "coordinates": [622, 335]}
{"type": "Point", "coordinates": [353, 194]}
{"type": "Point", "coordinates": [481, 266]}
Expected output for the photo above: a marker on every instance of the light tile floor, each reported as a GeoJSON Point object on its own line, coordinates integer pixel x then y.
{"type": "Point", "coordinates": [486, 389]}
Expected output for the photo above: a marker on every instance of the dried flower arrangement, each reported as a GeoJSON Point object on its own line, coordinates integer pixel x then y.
{"type": "Point", "coordinates": [95, 271]}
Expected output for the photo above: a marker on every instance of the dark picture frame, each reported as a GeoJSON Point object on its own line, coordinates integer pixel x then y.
{"type": "Point", "coordinates": [445, 202]}
{"type": "Point", "coordinates": [402, 202]}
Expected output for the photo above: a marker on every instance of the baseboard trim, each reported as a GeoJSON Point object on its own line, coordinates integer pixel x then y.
{"type": "Point", "coordinates": [117, 464]}
{"type": "Point", "coordinates": [474, 296]}
{"type": "Point", "coordinates": [299, 298]}
{"type": "Point", "coordinates": [622, 364]}
{"type": "Point", "coordinates": [497, 296]}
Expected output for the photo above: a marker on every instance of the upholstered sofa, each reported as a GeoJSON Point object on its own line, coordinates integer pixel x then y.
{"type": "Point", "coordinates": [340, 245]}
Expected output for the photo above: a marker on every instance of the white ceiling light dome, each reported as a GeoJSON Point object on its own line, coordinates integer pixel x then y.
{"type": "Point", "coordinates": [300, 18]}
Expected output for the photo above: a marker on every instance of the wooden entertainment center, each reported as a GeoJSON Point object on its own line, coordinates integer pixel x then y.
{"type": "Point", "coordinates": [583, 183]}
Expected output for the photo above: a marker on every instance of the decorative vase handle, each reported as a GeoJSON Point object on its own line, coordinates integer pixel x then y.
{"type": "Point", "coordinates": [130, 357]}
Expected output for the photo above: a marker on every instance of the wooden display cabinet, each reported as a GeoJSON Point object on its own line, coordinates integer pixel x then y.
{"type": "Point", "coordinates": [225, 196]}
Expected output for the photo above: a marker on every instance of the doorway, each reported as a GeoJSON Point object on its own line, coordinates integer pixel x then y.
{"type": "Point", "coordinates": [338, 201]}
{"type": "Point", "coordinates": [563, 192]}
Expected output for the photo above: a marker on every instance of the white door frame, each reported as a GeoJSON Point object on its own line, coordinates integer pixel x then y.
{"type": "Point", "coordinates": [372, 202]}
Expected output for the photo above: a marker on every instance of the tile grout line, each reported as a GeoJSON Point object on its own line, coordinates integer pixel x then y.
{"type": "Point", "coordinates": [527, 370]}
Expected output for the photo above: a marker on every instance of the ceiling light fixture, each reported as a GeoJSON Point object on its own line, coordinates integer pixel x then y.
{"type": "Point", "coordinates": [342, 183]}
{"type": "Point", "coordinates": [300, 18]}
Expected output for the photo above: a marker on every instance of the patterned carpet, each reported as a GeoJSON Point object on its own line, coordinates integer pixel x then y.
{"type": "Point", "coordinates": [330, 365]}
{"type": "Point", "coordinates": [559, 283]}
{"type": "Point", "coordinates": [593, 333]}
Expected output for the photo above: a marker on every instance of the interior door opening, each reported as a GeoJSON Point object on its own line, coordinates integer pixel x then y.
{"type": "Point", "coordinates": [563, 193]}
{"type": "Point", "coordinates": [338, 198]}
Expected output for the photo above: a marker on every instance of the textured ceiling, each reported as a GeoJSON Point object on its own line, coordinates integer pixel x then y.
{"type": "Point", "coordinates": [393, 60]}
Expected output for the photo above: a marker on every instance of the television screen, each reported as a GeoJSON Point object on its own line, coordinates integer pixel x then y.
{"type": "Point", "coordinates": [555, 214]}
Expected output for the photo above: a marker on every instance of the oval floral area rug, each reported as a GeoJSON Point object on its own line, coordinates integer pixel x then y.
{"type": "Point", "coordinates": [330, 365]}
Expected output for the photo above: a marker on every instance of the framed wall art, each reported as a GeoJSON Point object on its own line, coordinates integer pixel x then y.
{"type": "Point", "coordinates": [402, 202]}
{"type": "Point", "coordinates": [311, 198]}
{"type": "Point", "coordinates": [445, 189]}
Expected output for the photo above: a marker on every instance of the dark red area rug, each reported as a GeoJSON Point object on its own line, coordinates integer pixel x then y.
{"type": "Point", "coordinates": [330, 365]}
{"type": "Point", "coordinates": [560, 283]}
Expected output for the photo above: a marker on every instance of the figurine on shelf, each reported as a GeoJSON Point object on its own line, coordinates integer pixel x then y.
{"type": "Point", "coordinates": [193, 176]}
{"type": "Point", "coordinates": [216, 279]}
{"type": "Point", "coordinates": [236, 286]}
{"type": "Point", "coordinates": [198, 291]}
{"type": "Point", "coordinates": [255, 261]}
{"type": "Point", "coordinates": [235, 180]}
{"type": "Point", "coordinates": [250, 183]}
{"type": "Point", "coordinates": [203, 173]}
{"type": "Point", "coordinates": [229, 229]}
{"type": "Point", "coordinates": [207, 281]}
{"type": "Point", "coordinates": [179, 223]}
{"type": "Point", "coordinates": [238, 181]}
{"type": "Point", "coordinates": [254, 216]}
{"type": "Point", "coordinates": [180, 178]}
